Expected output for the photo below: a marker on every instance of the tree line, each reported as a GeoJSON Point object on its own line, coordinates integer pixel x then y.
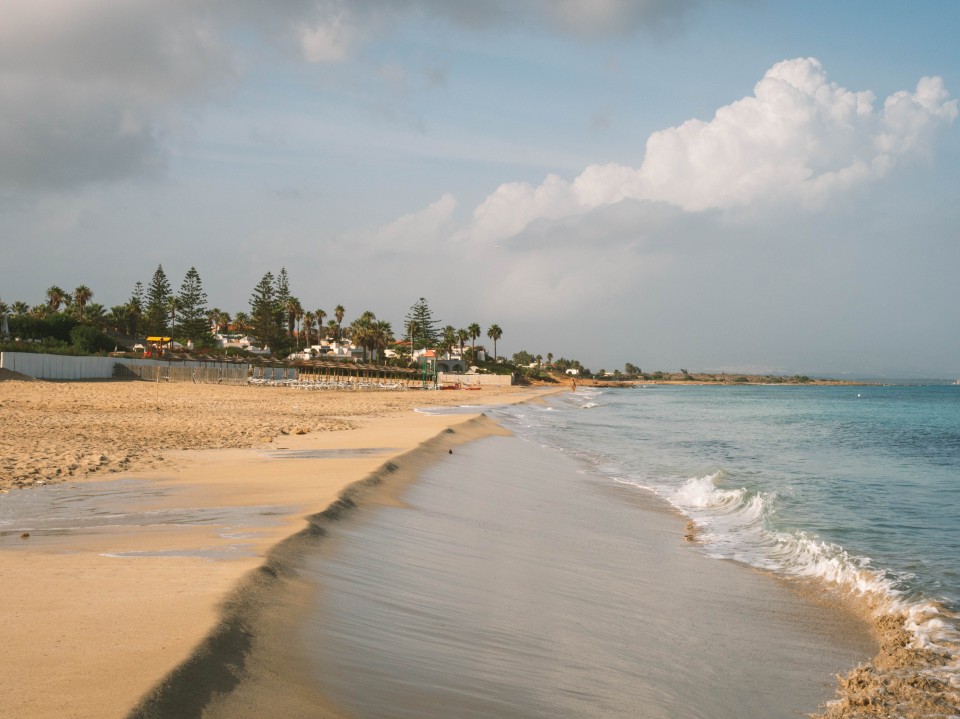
{"type": "Point", "coordinates": [277, 319]}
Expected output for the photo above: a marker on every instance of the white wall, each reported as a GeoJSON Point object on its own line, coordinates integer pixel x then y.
{"type": "Point", "coordinates": [57, 366]}
{"type": "Point", "coordinates": [42, 366]}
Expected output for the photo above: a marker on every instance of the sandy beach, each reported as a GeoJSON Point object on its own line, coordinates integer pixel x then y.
{"type": "Point", "coordinates": [99, 609]}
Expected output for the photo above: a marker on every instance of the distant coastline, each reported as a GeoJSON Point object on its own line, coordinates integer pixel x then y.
{"type": "Point", "coordinates": [704, 378]}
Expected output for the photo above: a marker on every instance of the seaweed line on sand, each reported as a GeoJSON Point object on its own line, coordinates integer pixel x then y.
{"type": "Point", "coordinates": [908, 678]}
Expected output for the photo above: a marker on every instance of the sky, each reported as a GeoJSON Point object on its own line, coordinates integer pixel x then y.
{"type": "Point", "coordinates": [726, 185]}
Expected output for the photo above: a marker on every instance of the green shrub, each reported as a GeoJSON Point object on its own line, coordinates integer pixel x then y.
{"type": "Point", "coordinates": [56, 327]}
{"type": "Point", "coordinates": [45, 347]}
{"type": "Point", "coordinates": [87, 338]}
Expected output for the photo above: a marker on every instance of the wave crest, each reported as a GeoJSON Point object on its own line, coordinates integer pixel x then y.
{"type": "Point", "coordinates": [916, 635]}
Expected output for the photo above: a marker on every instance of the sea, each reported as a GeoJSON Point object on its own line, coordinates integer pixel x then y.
{"type": "Point", "coordinates": [659, 551]}
{"type": "Point", "coordinates": [854, 485]}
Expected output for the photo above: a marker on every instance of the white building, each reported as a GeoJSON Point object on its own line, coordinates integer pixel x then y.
{"type": "Point", "coordinates": [239, 341]}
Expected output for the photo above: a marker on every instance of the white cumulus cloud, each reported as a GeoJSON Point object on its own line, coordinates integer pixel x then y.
{"type": "Point", "coordinates": [413, 233]}
{"type": "Point", "coordinates": [799, 139]}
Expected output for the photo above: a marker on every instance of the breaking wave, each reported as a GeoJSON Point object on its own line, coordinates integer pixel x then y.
{"type": "Point", "coordinates": [918, 636]}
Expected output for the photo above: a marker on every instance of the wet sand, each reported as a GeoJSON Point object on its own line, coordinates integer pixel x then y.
{"type": "Point", "coordinates": [510, 584]}
{"type": "Point", "coordinates": [183, 590]}
{"type": "Point", "coordinates": [99, 606]}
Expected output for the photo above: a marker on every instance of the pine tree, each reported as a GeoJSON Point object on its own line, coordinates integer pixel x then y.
{"type": "Point", "coordinates": [265, 315]}
{"type": "Point", "coordinates": [282, 288]}
{"type": "Point", "coordinates": [192, 308]}
{"type": "Point", "coordinates": [158, 297]}
{"type": "Point", "coordinates": [134, 309]}
{"type": "Point", "coordinates": [424, 328]}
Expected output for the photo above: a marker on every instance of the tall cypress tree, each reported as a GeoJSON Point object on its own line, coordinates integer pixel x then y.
{"type": "Point", "coordinates": [425, 332]}
{"type": "Point", "coordinates": [158, 295]}
{"type": "Point", "coordinates": [192, 308]}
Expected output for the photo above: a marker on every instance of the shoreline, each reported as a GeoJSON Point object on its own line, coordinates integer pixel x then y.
{"type": "Point", "coordinates": [673, 587]}
{"type": "Point", "coordinates": [241, 668]}
{"type": "Point", "coordinates": [94, 619]}
{"type": "Point", "coordinates": [212, 618]}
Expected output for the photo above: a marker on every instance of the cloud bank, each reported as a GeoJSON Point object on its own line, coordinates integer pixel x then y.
{"type": "Point", "coordinates": [92, 90]}
{"type": "Point", "coordinates": [799, 139]}
{"type": "Point", "coordinates": [88, 88]}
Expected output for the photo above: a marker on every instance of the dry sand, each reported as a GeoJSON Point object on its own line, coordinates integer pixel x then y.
{"type": "Point", "coordinates": [54, 431]}
{"type": "Point", "coordinates": [87, 627]}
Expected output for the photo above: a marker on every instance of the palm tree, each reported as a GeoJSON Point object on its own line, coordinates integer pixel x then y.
{"type": "Point", "coordinates": [55, 298]}
{"type": "Point", "coordinates": [95, 314]}
{"type": "Point", "coordinates": [308, 321]}
{"type": "Point", "coordinates": [20, 308]}
{"type": "Point", "coordinates": [213, 317]}
{"type": "Point", "coordinates": [4, 307]}
{"type": "Point", "coordinates": [332, 328]}
{"type": "Point", "coordinates": [494, 333]}
{"type": "Point", "coordinates": [241, 322]}
{"type": "Point", "coordinates": [118, 317]}
{"type": "Point", "coordinates": [81, 296]}
{"type": "Point", "coordinates": [339, 312]}
{"type": "Point", "coordinates": [381, 336]}
{"type": "Point", "coordinates": [294, 310]}
{"type": "Point", "coordinates": [475, 331]}
{"type": "Point", "coordinates": [462, 335]}
{"type": "Point", "coordinates": [413, 328]}
{"type": "Point", "coordinates": [319, 316]}
{"type": "Point", "coordinates": [549, 358]}
{"type": "Point", "coordinates": [361, 331]}
{"type": "Point", "coordinates": [449, 339]}
{"type": "Point", "coordinates": [134, 313]}
{"type": "Point", "coordinates": [173, 304]}
{"type": "Point", "coordinates": [218, 319]}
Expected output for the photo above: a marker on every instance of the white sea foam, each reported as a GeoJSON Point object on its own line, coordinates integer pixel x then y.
{"type": "Point", "coordinates": [639, 442]}
{"type": "Point", "coordinates": [734, 524]}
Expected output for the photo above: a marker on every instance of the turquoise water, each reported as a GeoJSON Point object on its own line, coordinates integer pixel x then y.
{"type": "Point", "coordinates": [854, 486]}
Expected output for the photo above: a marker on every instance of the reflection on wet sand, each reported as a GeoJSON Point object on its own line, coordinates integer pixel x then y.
{"type": "Point", "coordinates": [55, 516]}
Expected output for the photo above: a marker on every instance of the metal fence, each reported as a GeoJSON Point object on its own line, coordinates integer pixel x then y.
{"type": "Point", "coordinates": [43, 366]}
{"type": "Point", "coordinates": [65, 367]}
{"type": "Point", "coordinates": [342, 375]}
{"type": "Point", "coordinates": [198, 374]}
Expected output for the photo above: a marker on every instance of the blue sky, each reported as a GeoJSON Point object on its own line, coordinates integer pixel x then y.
{"type": "Point", "coordinates": [707, 185]}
